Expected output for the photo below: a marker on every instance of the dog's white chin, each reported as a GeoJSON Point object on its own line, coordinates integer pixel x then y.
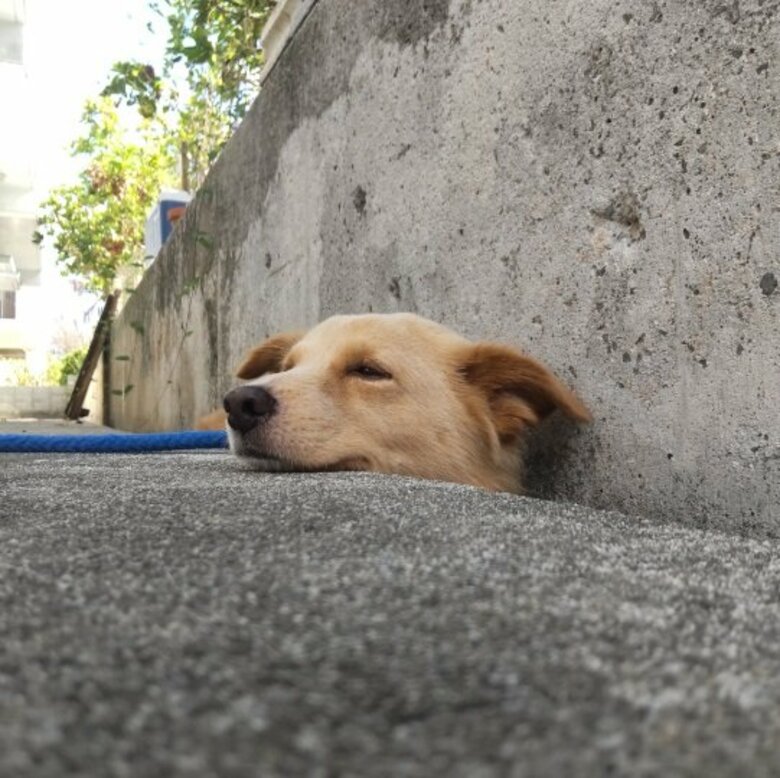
{"type": "Point", "coordinates": [265, 464]}
{"type": "Point", "coordinates": [255, 460]}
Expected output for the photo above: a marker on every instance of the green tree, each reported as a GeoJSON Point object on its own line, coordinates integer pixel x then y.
{"type": "Point", "coordinates": [59, 370]}
{"type": "Point", "coordinates": [216, 45]}
{"type": "Point", "coordinates": [219, 42]}
{"type": "Point", "coordinates": [186, 112]}
{"type": "Point", "coordinates": [97, 223]}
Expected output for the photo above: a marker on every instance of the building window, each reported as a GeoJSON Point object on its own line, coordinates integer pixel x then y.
{"type": "Point", "coordinates": [10, 42]}
{"type": "Point", "coordinates": [7, 305]}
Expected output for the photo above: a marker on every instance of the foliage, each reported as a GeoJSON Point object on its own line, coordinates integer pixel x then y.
{"type": "Point", "coordinates": [184, 121]}
{"type": "Point", "coordinates": [137, 84]}
{"type": "Point", "coordinates": [97, 223]}
{"type": "Point", "coordinates": [23, 376]}
{"type": "Point", "coordinates": [56, 373]}
{"type": "Point", "coordinates": [59, 370]}
{"type": "Point", "coordinates": [217, 44]}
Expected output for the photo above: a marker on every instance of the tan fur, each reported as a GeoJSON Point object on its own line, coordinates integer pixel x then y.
{"type": "Point", "coordinates": [452, 410]}
{"type": "Point", "coordinates": [215, 420]}
{"type": "Point", "coordinates": [268, 356]}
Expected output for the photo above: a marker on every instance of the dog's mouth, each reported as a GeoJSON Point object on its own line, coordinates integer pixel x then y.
{"type": "Point", "coordinates": [269, 464]}
{"type": "Point", "coordinates": [264, 461]}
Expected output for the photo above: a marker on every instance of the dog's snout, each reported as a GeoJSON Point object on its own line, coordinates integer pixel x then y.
{"type": "Point", "coordinates": [247, 406]}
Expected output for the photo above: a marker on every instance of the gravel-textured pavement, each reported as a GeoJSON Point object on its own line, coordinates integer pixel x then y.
{"type": "Point", "coordinates": [175, 615]}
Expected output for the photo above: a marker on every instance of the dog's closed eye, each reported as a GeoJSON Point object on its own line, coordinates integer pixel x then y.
{"type": "Point", "coordinates": [368, 371]}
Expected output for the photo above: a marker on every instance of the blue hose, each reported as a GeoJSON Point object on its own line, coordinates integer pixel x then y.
{"type": "Point", "coordinates": [115, 443]}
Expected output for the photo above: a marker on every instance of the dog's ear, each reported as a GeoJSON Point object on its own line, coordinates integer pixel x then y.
{"type": "Point", "coordinates": [521, 391]}
{"type": "Point", "coordinates": [268, 356]}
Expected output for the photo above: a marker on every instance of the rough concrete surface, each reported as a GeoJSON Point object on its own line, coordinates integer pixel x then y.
{"type": "Point", "coordinates": [595, 182]}
{"type": "Point", "coordinates": [176, 615]}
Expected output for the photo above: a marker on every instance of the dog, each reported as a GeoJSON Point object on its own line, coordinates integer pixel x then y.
{"type": "Point", "coordinates": [390, 393]}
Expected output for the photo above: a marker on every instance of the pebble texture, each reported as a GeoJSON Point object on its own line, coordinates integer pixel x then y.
{"type": "Point", "coordinates": [176, 615]}
{"type": "Point", "coordinates": [595, 182]}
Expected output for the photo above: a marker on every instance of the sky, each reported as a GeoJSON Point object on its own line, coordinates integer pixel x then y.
{"type": "Point", "coordinates": [70, 46]}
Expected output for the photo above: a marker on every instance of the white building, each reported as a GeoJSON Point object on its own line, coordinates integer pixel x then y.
{"type": "Point", "coordinates": [22, 344]}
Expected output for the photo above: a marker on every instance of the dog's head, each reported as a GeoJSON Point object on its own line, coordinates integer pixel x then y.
{"type": "Point", "coordinates": [392, 393]}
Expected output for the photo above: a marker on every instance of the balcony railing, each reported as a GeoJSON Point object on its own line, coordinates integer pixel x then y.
{"type": "Point", "coordinates": [9, 275]}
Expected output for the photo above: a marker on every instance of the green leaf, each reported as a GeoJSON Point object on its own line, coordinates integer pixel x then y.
{"type": "Point", "coordinates": [204, 239]}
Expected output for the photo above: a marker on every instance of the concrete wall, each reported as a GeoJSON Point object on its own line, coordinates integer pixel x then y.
{"type": "Point", "coordinates": [595, 182]}
{"type": "Point", "coordinates": [39, 402]}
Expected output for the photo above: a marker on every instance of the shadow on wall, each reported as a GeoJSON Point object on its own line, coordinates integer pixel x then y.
{"type": "Point", "coordinates": [552, 450]}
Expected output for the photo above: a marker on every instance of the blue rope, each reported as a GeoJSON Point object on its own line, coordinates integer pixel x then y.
{"type": "Point", "coordinates": [115, 443]}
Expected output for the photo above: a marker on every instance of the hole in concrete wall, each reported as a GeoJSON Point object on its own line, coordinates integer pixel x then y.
{"type": "Point", "coordinates": [768, 283]}
{"type": "Point", "coordinates": [359, 198]}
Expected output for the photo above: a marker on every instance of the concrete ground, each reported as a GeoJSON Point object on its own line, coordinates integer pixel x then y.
{"type": "Point", "coordinates": [177, 615]}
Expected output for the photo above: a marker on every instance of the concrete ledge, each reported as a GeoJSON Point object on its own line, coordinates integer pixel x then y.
{"type": "Point", "coordinates": [592, 183]}
{"type": "Point", "coordinates": [281, 26]}
{"type": "Point", "coordinates": [42, 402]}
{"type": "Point", "coordinates": [175, 615]}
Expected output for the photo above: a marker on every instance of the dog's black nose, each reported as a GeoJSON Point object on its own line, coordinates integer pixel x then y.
{"type": "Point", "coordinates": [247, 406]}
